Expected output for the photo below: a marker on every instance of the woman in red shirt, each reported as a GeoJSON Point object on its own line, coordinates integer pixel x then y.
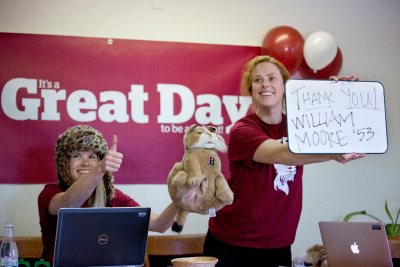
{"type": "Point", "coordinates": [266, 178]}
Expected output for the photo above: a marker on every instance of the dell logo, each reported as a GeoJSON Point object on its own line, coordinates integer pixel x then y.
{"type": "Point", "coordinates": [102, 239]}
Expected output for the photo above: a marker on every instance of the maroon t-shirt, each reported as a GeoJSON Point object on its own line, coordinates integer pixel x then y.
{"type": "Point", "coordinates": [268, 197]}
{"type": "Point", "coordinates": [48, 223]}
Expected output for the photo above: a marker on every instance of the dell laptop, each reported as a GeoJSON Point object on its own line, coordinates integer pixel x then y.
{"type": "Point", "coordinates": [101, 237]}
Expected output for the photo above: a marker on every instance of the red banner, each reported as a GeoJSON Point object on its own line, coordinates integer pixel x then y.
{"type": "Point", "coordinates": [145, 92]}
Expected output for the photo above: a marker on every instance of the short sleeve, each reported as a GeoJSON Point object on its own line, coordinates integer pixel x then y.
{"type": "Point", "coordinates": [45, 197]}
{"type": "Point", "coordinates": [244, 140]}
{"type": "Point", "coordinates": [122, 200]}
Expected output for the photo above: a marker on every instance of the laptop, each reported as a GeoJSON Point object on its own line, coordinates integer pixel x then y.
{"type": "Point", "coordinates": [101, 237]}
{"type": "Point", "coordinates": [353, 244]}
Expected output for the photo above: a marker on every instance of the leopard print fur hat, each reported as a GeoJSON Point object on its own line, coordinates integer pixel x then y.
{"type": "Point", "coordinates": [80, 138]}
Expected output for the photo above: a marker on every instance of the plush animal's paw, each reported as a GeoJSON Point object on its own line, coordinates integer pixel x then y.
{"type": "Point", "coordinates": [226, 197]}
{"type": "Point", "coordinates": [194, 182]}
{"type": "Point", "coordinates": [176, 227]}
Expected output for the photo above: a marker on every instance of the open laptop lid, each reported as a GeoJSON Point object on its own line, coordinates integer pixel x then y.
{"type": "Point", "coordinates": [355, 244]}
{"type": "Point", "coordinates": [101, 237]}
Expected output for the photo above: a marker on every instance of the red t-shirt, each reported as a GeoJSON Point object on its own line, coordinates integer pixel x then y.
{"type": "Point", "coordinates": [268, 197]}
{"type": "Point", "coordinates": [48, 223]}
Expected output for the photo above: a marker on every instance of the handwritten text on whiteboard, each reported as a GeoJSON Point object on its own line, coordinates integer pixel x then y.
{"type": "Point", "coordinates": [335, 117]}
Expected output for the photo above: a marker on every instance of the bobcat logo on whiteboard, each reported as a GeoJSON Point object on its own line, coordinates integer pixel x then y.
{"type": "Point", "coordinates": [284, 175]}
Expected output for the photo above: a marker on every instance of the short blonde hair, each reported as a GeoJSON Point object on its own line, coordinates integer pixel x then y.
{"type": "Point", "coordinates": [246, 82]}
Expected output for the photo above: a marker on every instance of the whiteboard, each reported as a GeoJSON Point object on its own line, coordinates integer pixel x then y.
{"type": "Point", "coordinates": [335, 117]}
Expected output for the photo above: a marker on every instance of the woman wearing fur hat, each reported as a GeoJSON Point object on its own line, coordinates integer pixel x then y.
{"type": "Point", "coordinates": [85, 168]}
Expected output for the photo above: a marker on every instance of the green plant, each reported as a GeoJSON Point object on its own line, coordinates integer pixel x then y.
{"type": "Point", "coordinates": [392, 228]}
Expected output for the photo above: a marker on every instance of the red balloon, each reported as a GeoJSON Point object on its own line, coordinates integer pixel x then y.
{"type": "Point", "coordinates": [286, 45]}
{"type": "Point", "coordinates": [333, 68]}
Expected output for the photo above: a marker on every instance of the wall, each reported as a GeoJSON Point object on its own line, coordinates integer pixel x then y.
{"type": "Point", "coordinates": [367, 31]}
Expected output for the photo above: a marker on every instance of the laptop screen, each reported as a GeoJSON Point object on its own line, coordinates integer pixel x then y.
{"type": "Point", "coordinates": [101, 237]}
{"type": "Point", "coordinates": [354, 244]}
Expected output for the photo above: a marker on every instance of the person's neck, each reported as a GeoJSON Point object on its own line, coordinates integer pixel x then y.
{"type": "Point", "coordinates": [270, 116]}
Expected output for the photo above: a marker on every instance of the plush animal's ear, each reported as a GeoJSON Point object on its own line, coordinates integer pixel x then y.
{"type": "Point", "coordinates": [191, 128]}
{"type": "Point", "coordinates": [211, 129]}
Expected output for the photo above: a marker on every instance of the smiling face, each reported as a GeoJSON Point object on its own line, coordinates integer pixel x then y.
{"type": "Point", "coordinates": [81, 163]}
{"type": "Point", "coordinates": [267, 86]}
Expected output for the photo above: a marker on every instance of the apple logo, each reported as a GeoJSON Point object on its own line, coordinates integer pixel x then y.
{"type": "Point", "coordinates": [354, 248]}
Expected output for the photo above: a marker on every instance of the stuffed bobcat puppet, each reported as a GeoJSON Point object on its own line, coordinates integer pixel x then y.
{"type": "Point", "coordinates": [196, 183]}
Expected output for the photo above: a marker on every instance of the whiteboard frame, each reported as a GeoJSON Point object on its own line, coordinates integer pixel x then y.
{"type": "Point", "coordinates": [335, 117]}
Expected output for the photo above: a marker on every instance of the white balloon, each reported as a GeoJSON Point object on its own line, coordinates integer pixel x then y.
{"type": "Point", "coordinates": [320, 49]}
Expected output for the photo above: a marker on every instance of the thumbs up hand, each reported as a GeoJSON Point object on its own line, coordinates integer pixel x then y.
{"type": "Point", "coordinates": [113, 159]}
{"type": "Point", "coordinates": [114, 143]}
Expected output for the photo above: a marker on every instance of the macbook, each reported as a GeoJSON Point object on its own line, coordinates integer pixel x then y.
{"type": "Point", "coordinates": [101, 237]}
{"type": "Point", "coordinates": [355, 244]}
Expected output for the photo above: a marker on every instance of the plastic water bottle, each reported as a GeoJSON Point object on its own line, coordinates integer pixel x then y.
{"type": "Point", "coordinates": [8, 249]}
